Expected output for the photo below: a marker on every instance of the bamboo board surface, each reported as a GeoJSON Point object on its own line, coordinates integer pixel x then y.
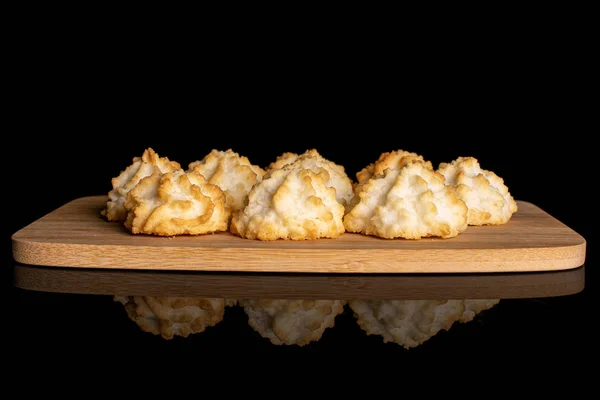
{"type": "Point", "coordinates": [76, 235]}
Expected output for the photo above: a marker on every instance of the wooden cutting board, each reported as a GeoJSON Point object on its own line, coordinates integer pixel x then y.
{"type": "Point", "coordinates": [76, 235]}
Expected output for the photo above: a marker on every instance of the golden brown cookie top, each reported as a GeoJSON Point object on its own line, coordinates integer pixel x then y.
{"type": "Point", "coordinates": [234, 174]}
{"type": "Point", "coordinates": [146, 165]}
{"type": "Point", "coordinates": [312, 160]}
{"type": "Point", "coordinates": [394, 159]}
{"type": "Point", "coordinates": [291, 204]}
{"type": "Point", "coordinates": [411, 202]}
{"type": "Point", "coordinates": [485, 194]}
{"type": "Point", "coordinates": [176, 203]}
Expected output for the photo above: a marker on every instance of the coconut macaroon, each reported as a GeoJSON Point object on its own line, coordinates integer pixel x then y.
{"type": "Point", "coordinates": [234, 174]}
{"type": "Point", "coordinates": [410, 323]}
{"type": "Point", "coordinates": [283, 160]}
{"type": "Point", "coordinates": [294, 204]}
{"type": "Point", "coordinates": [173, 316]}
{"type": "Point", "coordinates": [292, 322]}
{"type": "Point", "coordinates": [395, 159]}
{"type": "Point", "coordinates": [487, 197]}
{"type": "Point", "coordinates": [146, 165]}
{"type": "Point", "coordinates": [176, 203]}
{"type": "Point", "coordinates": [311, 159]}
{"type": "Point", "coordinates": [411, 202]}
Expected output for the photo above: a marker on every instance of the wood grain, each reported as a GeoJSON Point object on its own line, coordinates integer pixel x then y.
{"type": "Point", "coordinates": [75, 235]}
{"type": "Point", "coordinates": [299, 286]}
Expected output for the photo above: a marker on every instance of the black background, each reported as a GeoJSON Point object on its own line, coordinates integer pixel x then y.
{"type": "Point", "coordinates": [80, 119]}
